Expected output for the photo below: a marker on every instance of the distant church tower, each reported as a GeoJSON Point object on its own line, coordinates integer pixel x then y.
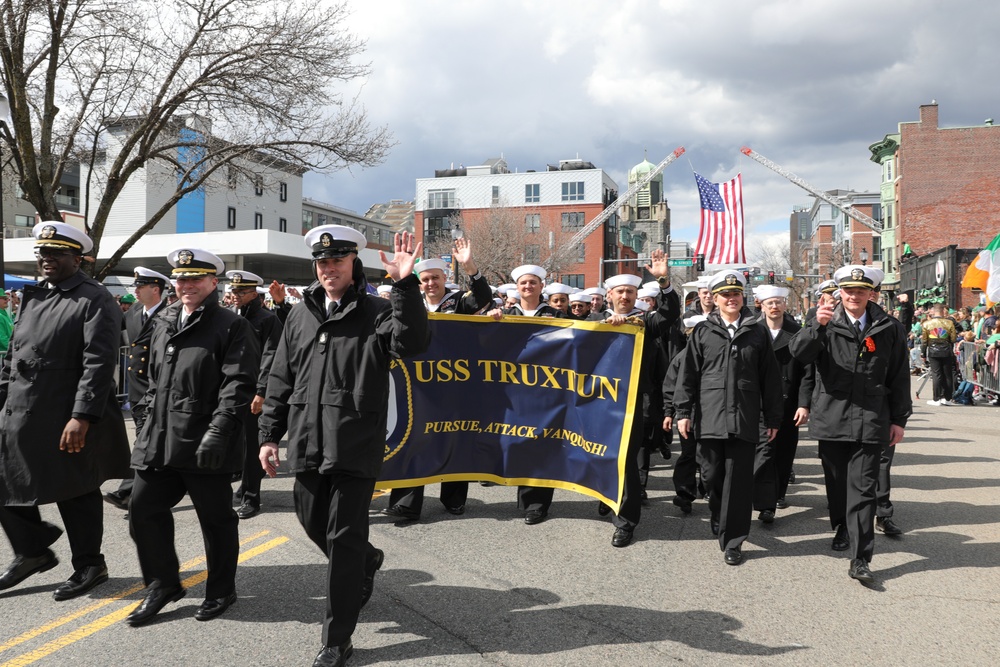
{"type": "Point", "coordinates": [646, 217]}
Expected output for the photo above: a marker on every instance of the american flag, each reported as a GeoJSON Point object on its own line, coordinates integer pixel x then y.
{"type": "Point", "coordinates": [720, 238]}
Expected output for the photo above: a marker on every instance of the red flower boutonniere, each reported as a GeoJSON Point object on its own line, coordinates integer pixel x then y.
{"type": "Point", "coordinates": [870, 344]}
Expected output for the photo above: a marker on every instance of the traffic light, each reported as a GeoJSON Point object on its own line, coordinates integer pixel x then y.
{"type": "Point", "coordinates": [746, 276]}
{"type": "Point", "coordinates": [770, 277]}
{"type": "Point", "coordinates": [699, 262]}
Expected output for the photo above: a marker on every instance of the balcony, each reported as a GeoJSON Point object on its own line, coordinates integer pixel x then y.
{"type": "Point", "coordinates": [69, 202]}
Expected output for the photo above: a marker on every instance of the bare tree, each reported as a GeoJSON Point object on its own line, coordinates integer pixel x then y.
{"type": "Point", "coordinates": [189, 85]}
{"type": "Point", "coordinates": [502, 239]}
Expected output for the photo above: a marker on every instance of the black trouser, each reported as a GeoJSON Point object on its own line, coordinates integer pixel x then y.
{"type": "Point", "coordinates": [851, 472]}
{"type": "Point", "coordinates": [151, 524]}
{"type": "Point", "coordinates": [943, 377]}
{"type": "Point", "coordinates": [786, 443]}
{"type": "Point", "coordinates": [884, 486]}
{"type": "Point", "coordinates": [249, 488]}
{"type": "Point", "coordinates": [686, 469]}
{"type": "Point", "coordinates": [729, 479]}
{"type": "Point", "coordinates": [631, 507]}
{"type": "Point", "coordinates": [453, 496]}
{"type": "Point", "coordinates": [124, 489]}
{"type": "Point", "coordinates": [83, 517]}
{"type": "Point", "coordinates": [333, 510]}
{"type": "Point", "coordinates": [652, 437]}
{"type": "Point", "coordinates": [765, 476]}
{"type": "Point", "coordinates": [538, 498]}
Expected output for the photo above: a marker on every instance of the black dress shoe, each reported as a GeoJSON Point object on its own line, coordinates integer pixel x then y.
{"type": "Point", "coordinates": [531, 517]}
{"type": "Point", "coordinates": [622, 537]}
{"type": "Point", "coordinates": [118, 501]}
{"type": "Point", "coordinates": [81, 581]}
{"type": "Point", "coordinates": [841, 541]}
{"type": "Point", "coordinates": [766, 516]}
{"type": "Point", "coordinates": [457, 511]}
{"type": "Point", "coordinates": [155, 600]}
{"type": "Point", "coordinates": [24, 566]}
{"type": "Point", "coordinates": [399, 512]}
{"type": "Point", "coordinates": [602, 509]}
{"type": "Point", "coordinates": [238, 497]}
{"type": "Point", "coordinates": [713, 523]}
{"type": "Point", "coordinates": [247, 510]}
{"type": "Point", "coordinates": [886, 525]}
{"type": "Point", "coordinates": [334, 656]}
{"type": "Point", "coordinates": [685, 505]}
{"type": "Point", "coordinates": [209, 609]}
{"type": "Point", "coordinates": [373, 565]}
{"type": "Point", "coordinates": [791, 477]}
{"type": "Point", "coordinates": [734, 556]}
{"type": "Point", "coordinates": [644, 499]}
{"type": "Point", "coordinates": [859, 570]}
{"type": "Point", "coordinates": [782, 504]}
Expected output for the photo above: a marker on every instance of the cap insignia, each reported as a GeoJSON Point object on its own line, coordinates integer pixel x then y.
{"type": "Point", "coordinates": [731, 279]}
{"type": "Point", "coordinates": [48, 231]}
{"type": "Point", "coordinates": [326, 239]}
{"type": "Point", "coordinates": [237, 277]}
{"type": "Point", "coordinates": [857, 274]}
{"type": "Point", "coordinates": [184, 257]}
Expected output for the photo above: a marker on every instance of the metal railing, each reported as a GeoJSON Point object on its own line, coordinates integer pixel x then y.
{"type": "Point", "coordinates": [972, 359]}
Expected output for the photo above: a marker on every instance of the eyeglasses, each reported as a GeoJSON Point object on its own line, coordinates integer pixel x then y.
{"type": "Point", "coordinates": [48, 253]}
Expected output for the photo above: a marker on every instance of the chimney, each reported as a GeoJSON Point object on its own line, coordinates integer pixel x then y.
{"type": "Point", "coordinates": [929, 115]}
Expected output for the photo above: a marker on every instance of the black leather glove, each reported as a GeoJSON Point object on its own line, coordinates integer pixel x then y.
{"type": "Point", "coordinates": [211, 453]}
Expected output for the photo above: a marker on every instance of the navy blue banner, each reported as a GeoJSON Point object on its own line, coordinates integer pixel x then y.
{"type": "Point", "coordinates": [534, 401]}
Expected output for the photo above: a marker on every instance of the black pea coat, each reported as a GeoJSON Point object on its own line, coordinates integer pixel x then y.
{"type": "Point", "coordinates": [860, 392]}
{"type": "Point", "coordinates": [267, 328]}
{"type": "Point", "coordinates": [797, 379]}
{"type": "Point", "coordinates": [467, 303]}
{"type": "Point", "coordinates": [202, 374]}
{"type": "Point", "coordinates": [329, 383]}
{"type": "Point", "coordinates": [732, 381]}
{"type": "Point", "coordinates": [139, 336]}
{"type": "Point", "coordinates": [61, 364]}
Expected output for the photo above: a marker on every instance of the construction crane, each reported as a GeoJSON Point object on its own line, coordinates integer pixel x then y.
{"type": "Point", "coordinates": [570, 246]}
{"type": "Point", "coordinates": [849, 211]}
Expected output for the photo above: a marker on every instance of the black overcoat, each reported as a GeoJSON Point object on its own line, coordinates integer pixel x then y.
{"type": "Point", "coordinates": [139, 336]}
{"type": "Point", "coordinates": [61, 364]}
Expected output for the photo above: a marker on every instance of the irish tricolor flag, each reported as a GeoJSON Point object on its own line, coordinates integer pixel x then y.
{"type": "Point", "coordinates": [984, 273]}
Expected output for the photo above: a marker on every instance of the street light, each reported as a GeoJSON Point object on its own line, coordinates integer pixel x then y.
{"type": "Point", "coordinates": [864, 256]}
{"type": "Point", "coordinates": [4, 113]}
{"type": "Point", "coordinates": [456, 233]}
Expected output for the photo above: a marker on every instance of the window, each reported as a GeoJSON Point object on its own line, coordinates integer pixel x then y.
{"type": "Point", "coordinates": [876, 248]}
{"type": "Point", "coordinates": [572, 221]}
{"type": "Point", "coordinates": [532, 193]}
{"type": "Point", "coordinates": [440, 199]}
{"type": "Point", "coordinates": [888, 170]}
{"type": "Point", "coordinates": [307, 220]}
{"type": "Point", "coordinates": [581, 252]}
{"type": "Point", "coordinates": [573, 280]}
{"type": "Point", "coordinates": [533, 222]}
{"type": "Point", "coordinates": [231, 218]}
{"type": "Point", "coordinates": [258, 186]}
{"type": "Point", "coordinates": [572, 191]}
{"type": "Point", "coordinates": [888, 216]}
{"type": "Point", "coordinates": [258, 221]}
{"type": "Point", "coordinates": [496, 194]}
{"type": "Point", "coordinates": [282, 225]}
{"type": "Point", "coordinates": [283, 191]}
{"type": "Point", "coordinates": [24, 221]}
{"type": "Point", "coordinates": [532, 253]}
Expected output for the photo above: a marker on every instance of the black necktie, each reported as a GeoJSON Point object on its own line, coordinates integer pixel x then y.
{"type": "Point", "coordinates": [143, 318]}
{"type": "Point", "coordinates": [860, 328]}
{"type": "Point", "coordinates": [331, 309]}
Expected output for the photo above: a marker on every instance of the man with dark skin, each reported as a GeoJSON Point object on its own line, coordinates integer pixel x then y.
{"type": "Point", "coordinates": [61, 431]}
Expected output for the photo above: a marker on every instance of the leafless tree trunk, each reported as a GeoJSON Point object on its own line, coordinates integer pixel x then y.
{"type": "Point", "coordinates": [193, 85]}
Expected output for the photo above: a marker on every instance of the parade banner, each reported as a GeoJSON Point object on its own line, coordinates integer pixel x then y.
{"type": "Point", "coordinates": [523, 401]}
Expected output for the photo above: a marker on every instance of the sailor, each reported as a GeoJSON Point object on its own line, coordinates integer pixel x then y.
{"type": "Point", "coordinates": [558, 296]}
{"type": "Point", "coordinates": [729, 372]}
{"type": "Point", "coordinates": [860, 404]}
{"type": "Point", "coordinates": [203, 369]}
{"type": "Point", "coordinates": [61, 430]}
{"type": "Point", "coordinates": [826, 287]}
{"type": "Point", "coordinates": [705, 303]}
{"type": "Point", "coordinates": [384, 291]}
{"type": "Point", "coordinates": [246, 289]}
{"type": "Point", "coordinates": [579, 306]}
{"type": "Point", "coordinates": [597, 295]}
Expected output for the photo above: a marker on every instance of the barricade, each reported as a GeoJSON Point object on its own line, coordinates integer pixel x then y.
{"type": "Point", "coordinates": [972, 359]}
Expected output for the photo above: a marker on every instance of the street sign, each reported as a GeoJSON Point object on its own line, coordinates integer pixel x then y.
{"type": "Point", "coordinates": [680, 261]}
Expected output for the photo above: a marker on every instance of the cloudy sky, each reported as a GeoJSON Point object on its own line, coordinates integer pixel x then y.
{"type": "Point", "coordinates": [810, 85]}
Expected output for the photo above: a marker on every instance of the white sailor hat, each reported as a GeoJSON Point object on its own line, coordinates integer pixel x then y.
{"type": "Point", "coordinates": [622, 279]}
{"type": "Point", "coordinates": [194, 263]}
{"type": "Point", "coordinates": [144, 276]}
{"type": "Point", "coordinates": [383, 289]}
{"type": "Point", "coordinates": [579, 297]}
{"type": "Point", "coordinates": [52, 234]}
{"type": "Point", "coordinates": [826, 287]}
{"type": "Point", "coordinates": [724, 281]}
{"type": "Point", "coordinates": [431, 264]}
{"type": "Point", "coordinates": [703, 282]}
{"type": "Point", "coordinates": [765, 292]}
{"type": "Point", "coordinates": [262, 290]}
{"type": "Point", "coordinates": [524, 269]}
{"type": "Point", "coordinates": [502, 290]}
{"type": "Point", "coordinates": [451, 285]}
{"type": "Point", "coordinates": [600, 291]}
{"type": "Point", "coordinates": [653, 285]}
{"type": "Point", "coordinates": [856, 275]}
{"type": "Point", "coordinates": [648, 293]}
{"type": "Point", "coordinates": [240, 278]}
{"type": "Point", "coordinates": [642, 305]}
{"type": "Point", "coordinates": [559, 288]}
{"type": "Point", "coordinates": [691, 322]}
{"type": "Point", "coordinates": [513, 294]}
{"type": "Point", "coordinates": [334, 241]}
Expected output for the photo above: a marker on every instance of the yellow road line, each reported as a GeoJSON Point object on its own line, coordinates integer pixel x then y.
{"type": "Point", "coordinates": [59, 643]}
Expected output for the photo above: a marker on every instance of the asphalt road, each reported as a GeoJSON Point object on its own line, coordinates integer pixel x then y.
{"type": "Point", "coordinates": [485, 589]}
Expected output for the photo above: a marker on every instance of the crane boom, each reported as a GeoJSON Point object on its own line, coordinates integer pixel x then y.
{"type": "Point", "coordinates": [850, 211]}
{"type": "Point", "coordinates": [603, 216]}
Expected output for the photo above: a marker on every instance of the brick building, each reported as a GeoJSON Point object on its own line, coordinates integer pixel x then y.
{"type": "Point", "coordinates": [516, 218]}
{"type": "Point", "coordinates": [939, 189]}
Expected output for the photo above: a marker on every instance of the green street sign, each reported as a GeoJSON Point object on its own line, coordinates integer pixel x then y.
{"type": "Point", "coordinates": [680, 262]}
